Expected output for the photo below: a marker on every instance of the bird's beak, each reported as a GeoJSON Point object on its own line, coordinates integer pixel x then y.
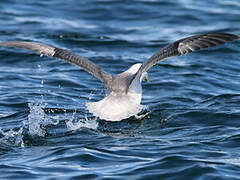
{"type": "Point", "coordinates": [147, 78]}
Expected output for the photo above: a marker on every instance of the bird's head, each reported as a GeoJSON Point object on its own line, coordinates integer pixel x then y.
{"type": "Point", "coordinates": [127, 80]}
{"type": "Point", "coordinates": [134, 69]}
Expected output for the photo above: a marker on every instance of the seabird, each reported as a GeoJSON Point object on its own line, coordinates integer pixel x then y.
{"type": "Point", "coordinates": [123, 98]}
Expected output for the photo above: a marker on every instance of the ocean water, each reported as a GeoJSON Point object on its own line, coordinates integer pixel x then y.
{"type": "Point", "coordinates": [191, 127]}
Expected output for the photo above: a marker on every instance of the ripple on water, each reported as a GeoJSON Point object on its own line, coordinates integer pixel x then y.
{"type": "Point", "coordinates": [191, 126]}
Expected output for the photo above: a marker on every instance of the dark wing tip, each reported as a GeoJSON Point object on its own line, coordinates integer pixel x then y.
{"type": "Point", "coordinates": [199, 42]}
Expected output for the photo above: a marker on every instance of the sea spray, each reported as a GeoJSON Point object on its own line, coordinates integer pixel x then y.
{"type": "Point", "coordinates": [12, 137]}
{"type": "Point", "coordinates": [75, 123]}
{"type": "Point", "coordinates": [35, 119]}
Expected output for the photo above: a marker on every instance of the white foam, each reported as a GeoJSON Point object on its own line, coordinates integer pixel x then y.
{"type": "Point", "coordinates": [75, 123]}
{"type": "Point", "coordinates": [86, 123]}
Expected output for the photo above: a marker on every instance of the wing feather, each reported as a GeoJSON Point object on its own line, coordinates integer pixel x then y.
{"type": "Point", "coordinates": [187, 45]}
{"type": "Point", "coordinates": [65, 55]}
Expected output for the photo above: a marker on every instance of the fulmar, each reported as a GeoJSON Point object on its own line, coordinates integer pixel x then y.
{"type": "Point", "coordinates": [124, 90]}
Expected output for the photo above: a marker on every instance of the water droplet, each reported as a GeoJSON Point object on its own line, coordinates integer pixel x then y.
{"type": "Point", "coordinates": [41, 84]}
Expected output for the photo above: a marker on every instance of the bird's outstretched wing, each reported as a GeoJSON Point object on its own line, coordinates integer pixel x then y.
{"type": "Point", "coordinates": [186, 45]}
{"type": "Point", "coordinates": [65, 55]}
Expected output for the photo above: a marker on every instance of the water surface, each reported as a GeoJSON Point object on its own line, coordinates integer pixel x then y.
{"type": "Point", "coordinates": [191, 128]}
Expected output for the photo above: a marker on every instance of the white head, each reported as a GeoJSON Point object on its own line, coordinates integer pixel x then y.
{"type": "Point", "coordinates": [134, 69]}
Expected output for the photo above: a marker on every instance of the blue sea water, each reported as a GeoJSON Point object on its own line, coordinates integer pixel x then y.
{"type": "Point", "coordinates": [191, 129]}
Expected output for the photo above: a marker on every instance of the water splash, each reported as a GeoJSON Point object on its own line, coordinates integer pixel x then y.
{"type": "Point", "coordinates": [12, 137]}
{"type": "Point", "coordinates": [36, 118]}
{"type": "Point", "coordinates": [74, 124]}
{"type": "Point", "coordinates": [40, 124]}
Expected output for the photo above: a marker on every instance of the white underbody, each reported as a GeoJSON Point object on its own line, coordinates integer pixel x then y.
{"type": "Point", "coordinates": [118, 106]}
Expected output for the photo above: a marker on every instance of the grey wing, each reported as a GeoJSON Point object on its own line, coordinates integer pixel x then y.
{"type": "Point", "coordinates": [187, 45]}
{"type": "Point", "coordinates": [65, 55]}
